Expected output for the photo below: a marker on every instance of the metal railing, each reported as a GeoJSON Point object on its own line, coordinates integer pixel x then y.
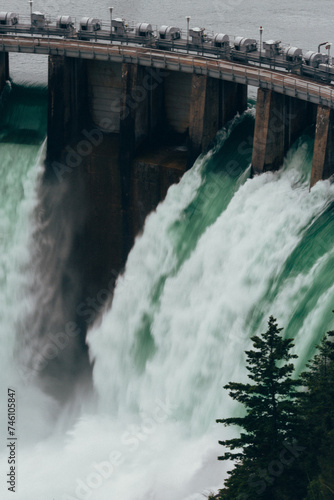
{"type": "Point", "coordinates": [285, 83]}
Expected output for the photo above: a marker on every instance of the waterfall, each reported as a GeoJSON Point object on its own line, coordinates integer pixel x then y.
{"type": "Point", "coordinates": [217, 257]}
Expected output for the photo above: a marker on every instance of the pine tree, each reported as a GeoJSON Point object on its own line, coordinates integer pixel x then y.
{"type": "Point", "coordinates": [322, 487]}
{"type": "Point", "coordinates": [317, 430]}
{"type": "Point", "coordinates": [267, 446]}
{"type": "Point", "coordinates": [317, 401]}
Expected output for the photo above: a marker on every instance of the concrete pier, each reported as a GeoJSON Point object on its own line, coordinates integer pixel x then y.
{"type": "Point", "coordinates": [268, 146]}
{"type": "Point", "coordinates": [233, 100]}
{"type": "Point", "coordinates": [298, 115]}
{"type": "Point", "coordinates": [212, 104]}
{"type": "Point", "coordinates": [68, 103]}
{"type": "Point", "coordinates": [103, 119]}
{"type": "Point", "coordinates": [197, 116]}
{"type": "Point", "coordinates": [104, 241]}
{"type": "Point", "coordinates": [154, 170]}
{"type": "Point", "coordinates": [323, 154]}
{"type": "Point", "coordinates": [141, 123]}
{"type": "Point", "coordinates": [203, 114]}
{"type": "Point", "coordinates": [279, 121]}
{"type": "Point", "coordinates": [4, 70]}
{"type": "Point", "coordinates": [127, 146]}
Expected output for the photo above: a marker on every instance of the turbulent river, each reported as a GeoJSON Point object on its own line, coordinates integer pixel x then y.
{"type": "Point", "coordinates": [217, 257]}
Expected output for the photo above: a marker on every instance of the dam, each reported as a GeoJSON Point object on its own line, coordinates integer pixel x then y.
{"type": "Point", "coordinates": [130, 110]}
{"type": "Point", "coordinates": [222, 252]}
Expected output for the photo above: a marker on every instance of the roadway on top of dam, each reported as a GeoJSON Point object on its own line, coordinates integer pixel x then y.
{"type": "Point", "coordinates": [266, 78]}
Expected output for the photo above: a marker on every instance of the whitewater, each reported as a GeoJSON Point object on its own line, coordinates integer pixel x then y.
{"type": "Point", "coordinates": [217, 257]}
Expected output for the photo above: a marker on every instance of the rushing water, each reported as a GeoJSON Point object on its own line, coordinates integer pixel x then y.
{"type": "Point", "coordinates": [21, 152]}
{"type": "Point", "coordinates": [218, 256]}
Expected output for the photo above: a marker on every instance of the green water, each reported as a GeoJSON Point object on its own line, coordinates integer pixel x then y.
{"type": "Point", "coordinates": [23, 114]}
{"type": "Point", "coordinates": [23, 121]}
{"type": "Point", "coordinates": [216, 258]}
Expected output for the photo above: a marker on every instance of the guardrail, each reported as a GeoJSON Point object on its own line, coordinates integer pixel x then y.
{"type": "Point", "coordinates": [284, 83]}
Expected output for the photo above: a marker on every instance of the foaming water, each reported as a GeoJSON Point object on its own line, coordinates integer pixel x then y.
{"type": "Point", "coordinates": [22, 154]}
{"type": "Point", "coordinates": [53, 228]}
{"type": "Point", "coordinates": [219, 255]}
{"type": "Point", "coordinates": [216, 258]}
{"type": "Point", "coordinates": [21, 169]}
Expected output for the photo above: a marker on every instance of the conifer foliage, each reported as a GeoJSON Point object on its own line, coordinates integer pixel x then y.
{"type": "Point", "coordinates": [269, 426]}
{"type": "Point", "coordinates": [317, 408]}
{"type": "Point", "coordinates": [286, 446]}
